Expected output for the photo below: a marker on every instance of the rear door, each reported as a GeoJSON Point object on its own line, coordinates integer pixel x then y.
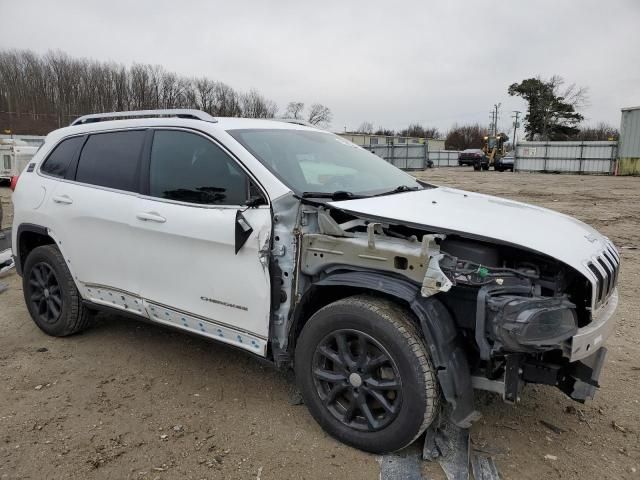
{"type": "Point", "coordinates": [91, 209]}
{"type": "Point", "coordinates": [189, 225]}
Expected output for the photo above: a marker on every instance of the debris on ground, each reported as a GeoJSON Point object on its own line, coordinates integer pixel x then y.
{"type": "Point", "coordinates": [6, 262]}
{"type": "Point", "coordinates": [451, 447]}
{"type": "Point", "coordinates": [617, 427]}
{"type": "Point", "coordinates": [552, 427]}
{"type": "Point", "coordinates": [483, 467]}
{"type": "Point", "coordinates": [400, 466]}
{"type": "Point", "coordinates": [295, 397]}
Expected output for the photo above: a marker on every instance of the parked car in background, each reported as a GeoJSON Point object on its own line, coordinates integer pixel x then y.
{"type": "Point", "coordinates": [474, 157]}
{"type": "Point", "coordinates": [504, 163]}
{"type": "Point", "coordinates": [392, 299]}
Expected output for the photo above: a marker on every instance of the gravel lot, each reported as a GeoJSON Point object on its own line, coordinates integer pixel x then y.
{"type": "Point", "coordinates": [131, 400]}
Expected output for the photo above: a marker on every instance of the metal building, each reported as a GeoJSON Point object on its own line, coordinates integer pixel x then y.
{"type": "Point", "coordinates": [629, 145]}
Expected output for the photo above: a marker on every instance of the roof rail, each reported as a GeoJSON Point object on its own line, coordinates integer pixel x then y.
{"type": "Point", "coordinates": [172, 112]}
{"type": "Point", "coordinates": [295, 121]}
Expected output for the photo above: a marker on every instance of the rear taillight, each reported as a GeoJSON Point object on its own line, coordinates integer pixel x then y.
{"type": "Point", "coordinates": [14, 182]}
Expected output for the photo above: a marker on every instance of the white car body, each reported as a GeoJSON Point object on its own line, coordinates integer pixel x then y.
{"type": "Point", "coordinates": [110, 248]}
{"type": "Point", "coordinates": [180, 264]}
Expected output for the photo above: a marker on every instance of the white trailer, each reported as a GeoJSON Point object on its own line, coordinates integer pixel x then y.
{"type": "Point", "coordinates": [14, 157]}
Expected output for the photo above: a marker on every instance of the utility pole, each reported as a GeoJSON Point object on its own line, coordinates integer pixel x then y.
{"type": "Point", "coordinates": [515, 126]}
{"type": "Point", "coordinates": [494, 114]}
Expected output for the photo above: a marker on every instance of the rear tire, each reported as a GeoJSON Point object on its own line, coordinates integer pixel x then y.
{"type": "Point", "coordinates": [365, 374]}
{"type": "Point", "coordinates": [51, 294]}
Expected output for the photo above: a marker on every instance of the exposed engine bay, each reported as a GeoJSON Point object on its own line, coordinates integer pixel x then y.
{"type": "Point", "coordinates": [515, 310]}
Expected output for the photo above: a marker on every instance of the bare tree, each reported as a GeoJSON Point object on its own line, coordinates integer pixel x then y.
{"type": "Point", "coordinates": [294, 110]}
{"type": "Point", "coordinates": [417, 130]}
{"type": "Point", "coordinates": [227, 101]}
{"type": "Point", "coordinates": [254, 105]}
{"type": "Point", "coordinates": [602, 131]}
{"type": "Point", "coordinates": [385, 131]}
{"type": "Point", "coordinates": [319, 115]}
{"type": "Point", "coordinates": [41, 92]}
{"type": "Point", "coordinates": [461, 137]}
{"type": "Point", "coordinates": [366, 128]}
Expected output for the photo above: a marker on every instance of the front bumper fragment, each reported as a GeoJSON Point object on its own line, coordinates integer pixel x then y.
{"type": "Point", "coordinates": [579, 380]}
{"type": "Point", "coordinates": [588, 339]}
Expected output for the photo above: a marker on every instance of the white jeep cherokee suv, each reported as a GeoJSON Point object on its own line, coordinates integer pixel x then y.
{"type": "Point", "coordinates": [391, 298]}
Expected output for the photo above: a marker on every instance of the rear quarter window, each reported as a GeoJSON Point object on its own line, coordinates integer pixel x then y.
{"type": "Point", "coordinates": [111, 160]}
{"type": "Point", "coordinates": [58, 161]}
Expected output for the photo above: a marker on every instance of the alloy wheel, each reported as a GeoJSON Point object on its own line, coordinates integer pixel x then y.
{"type": "Point", "coordinates": [45, 293]}
{"type": "Point", "coordinates": [357, 380]}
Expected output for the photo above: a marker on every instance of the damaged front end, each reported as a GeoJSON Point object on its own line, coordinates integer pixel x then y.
{"type": "Point", "coordinates": [417, 260]}
{"type": "Point", "coordinates": [494, 316]}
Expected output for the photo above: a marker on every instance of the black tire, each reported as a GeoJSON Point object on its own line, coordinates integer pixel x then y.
{"type": "Point", "coordinates": [395, 417]}
{"type": "Point", "coordinates": [51, 294]}
{"type": "Point", "coordinates": [476, 167]}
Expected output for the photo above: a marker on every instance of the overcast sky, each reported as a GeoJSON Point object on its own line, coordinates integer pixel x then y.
{"type": "Point", "coordinates": [390, 63]}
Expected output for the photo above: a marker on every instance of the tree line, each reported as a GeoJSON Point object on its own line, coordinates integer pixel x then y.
{"type": "Point", "coordinates": [458, 137]}
{"type": "Point", "coordinates": [39, 93]}
{"type": "Point", "coordinates": [552, 114]}
{"type": "Point", "coordinates": [48, 91]}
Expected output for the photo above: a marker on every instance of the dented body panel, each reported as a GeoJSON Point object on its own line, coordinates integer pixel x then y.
{"type": "Point", "coordinates": [485, 217]}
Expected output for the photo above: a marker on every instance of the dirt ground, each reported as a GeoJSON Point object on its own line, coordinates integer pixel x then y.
{"type": "Point", "coordinates": [128, 400]}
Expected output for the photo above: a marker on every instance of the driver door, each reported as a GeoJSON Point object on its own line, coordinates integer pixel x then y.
{"type": "Point", "coordinates": [194, 193]}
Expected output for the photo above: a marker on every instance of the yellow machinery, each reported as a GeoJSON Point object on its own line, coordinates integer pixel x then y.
{"type": "Point", "coordinates": [494, 147]}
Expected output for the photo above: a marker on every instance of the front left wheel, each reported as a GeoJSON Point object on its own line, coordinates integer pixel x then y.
{"type": "Point", "coordinates": [51, 294]}
{"type": "Point", "coordinates": [365, 374]}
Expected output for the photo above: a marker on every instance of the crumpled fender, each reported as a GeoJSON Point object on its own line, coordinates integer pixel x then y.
{"type": "Point", "coordinates": [439, 330]}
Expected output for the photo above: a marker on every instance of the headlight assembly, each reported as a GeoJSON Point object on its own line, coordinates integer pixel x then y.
{"type": "Point", "coordinates": [531, 323]}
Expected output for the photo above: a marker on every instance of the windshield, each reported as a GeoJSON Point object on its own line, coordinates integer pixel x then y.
{"type": "Point", "coordinates": [321, 162]}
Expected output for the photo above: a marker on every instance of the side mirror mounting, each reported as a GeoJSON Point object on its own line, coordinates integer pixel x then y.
{"type": "Point", "coordinates": [255, 201]}
{"type": "Point", "coordinates": [243, 231]}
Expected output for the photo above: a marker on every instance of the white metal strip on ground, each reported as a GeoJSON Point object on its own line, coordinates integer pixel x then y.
{"type": "Point", "coordinates": [400, 466]}
{"type": "Point", "coordinates": [483, 466]}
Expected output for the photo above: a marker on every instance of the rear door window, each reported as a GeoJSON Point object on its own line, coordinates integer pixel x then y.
{"type": "Point", "coordinates": [190, 168]}
{"type": "Point", "coordinates": [111, 160]}
{"type": "Point", "coordinates": [59, 160]}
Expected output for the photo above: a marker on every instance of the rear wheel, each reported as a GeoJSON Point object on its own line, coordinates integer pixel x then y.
{"type": "Point", "coordinates": [365, 374]}
{"type": "Point", "coordinates": [51, 294]}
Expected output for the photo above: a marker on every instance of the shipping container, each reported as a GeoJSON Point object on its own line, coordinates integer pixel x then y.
{"type": "Point", "coordinates": [629, 149]}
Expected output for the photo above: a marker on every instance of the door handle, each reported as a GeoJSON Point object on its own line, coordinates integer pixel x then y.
{"type": "Point", "coordinates": [151, 217]}
{"type": "Point", "coordinates": [64, 199]}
